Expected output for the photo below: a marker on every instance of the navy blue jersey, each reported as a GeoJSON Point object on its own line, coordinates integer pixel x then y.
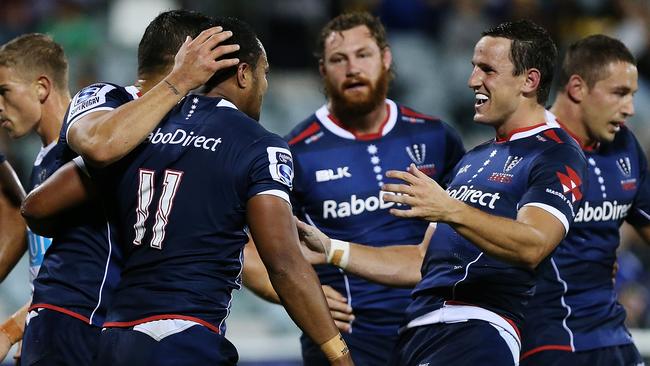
{"type": "Point", "coordinates": [575, 307]}
{"type": "Point", "coordinates": [47, 161]}
{"type": "Point", "coordinates": [541, 166]}
{"type": "Point", "coordinates": [179, 203]}
{"type": "Point", "coordinates": [337, 189]}
{"type": "Point", "coordinates": [81, 268]}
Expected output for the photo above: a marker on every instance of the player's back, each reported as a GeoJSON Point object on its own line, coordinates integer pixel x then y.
{"type": "Point", "coordinates": [179, 202]}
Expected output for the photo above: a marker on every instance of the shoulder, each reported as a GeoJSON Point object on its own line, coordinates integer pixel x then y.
{"type": "Point", "coordinates": [410, 115]}
{"type": "Point", "coordinates": [304, 131]}
{"type": "Point", "coordinates": [100, 95]}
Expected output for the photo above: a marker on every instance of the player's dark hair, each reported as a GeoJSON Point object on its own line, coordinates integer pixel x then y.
{"type": "Point", "coordinates": [165, 35]}
{"type": "Point", "coordinates": [36, 53]}
{"type": "Point", "coordinates": [590, 56]}
{"type": "Point", "coordinates": [250, 49]}
{"type": "Point", "coordinates": [532, 47]}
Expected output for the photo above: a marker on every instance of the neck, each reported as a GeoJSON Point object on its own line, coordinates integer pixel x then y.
{"type": "Point", "coordinates": [569, 114]}
{"type": "Point", "coordinates": [52, 116]}
{"type": "Point", "coordinates": [147, 82]}
{"type": "Point", "coordinates": [525, 116]}
{"type": "Point", "coordinates": [367, 123]}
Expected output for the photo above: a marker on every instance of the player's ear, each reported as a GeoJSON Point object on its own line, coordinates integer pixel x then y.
{"type": "Point", "coordinates": [43, 87]}
{"type": "Point", "coordinates": [321, 67]}
{"type": "Point", "coordinates": [576, 88]}
{"type": "Point", "coordinates": [386, 57]}
{"type": "Point", "coordinates": [244, 75]}
{"type": "Point", "coordinates": [531, 83]}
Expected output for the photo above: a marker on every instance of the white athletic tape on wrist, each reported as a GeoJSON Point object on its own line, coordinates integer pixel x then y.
{"type": "Point", "coordinates": [339, 253]}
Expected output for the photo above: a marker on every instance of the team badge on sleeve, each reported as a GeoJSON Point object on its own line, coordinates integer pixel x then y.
{"type": "Point", "coordinates": [88, 98]}
{"type": "Point", "coordinates": [280, 165]}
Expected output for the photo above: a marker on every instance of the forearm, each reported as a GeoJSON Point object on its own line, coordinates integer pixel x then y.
{"type": "Point", "coordinates": [45, 207]}
{"type": "Point", "coordinates": [255, 277]}
{"type": "Point", "coordinates": [397, 266]}
{"type": "Point", "coordinates": [13, 239]}
{"type": "Point", "coordinates": [301, 295]}
{"type": "Point", "coordinates": [107, 138]}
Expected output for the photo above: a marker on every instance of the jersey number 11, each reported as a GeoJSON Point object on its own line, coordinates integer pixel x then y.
{"type": "Point", "coordinates": [146, 190]}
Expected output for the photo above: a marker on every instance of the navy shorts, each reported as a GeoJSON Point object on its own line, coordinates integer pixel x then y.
{"type": "Point", "coordinates": [54, 338]}
{"type": "Point", "coordinates": [471, 343]}
{"type": "Point", "coordinates": [196, 345]}
{"type": "Point", "coordinates": [624, 355]}
{"type": "Point", "coordinates": [366, 349]}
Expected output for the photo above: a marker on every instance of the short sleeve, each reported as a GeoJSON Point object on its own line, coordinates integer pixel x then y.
{"type": "Point", "coordinates": [270, 168]}
{"type": "Point", "coordinates": [557, 182]}
{"type": "Point", "coordinates": [639, 214]}
{"type": "Point", "coordinates": [93, 98]}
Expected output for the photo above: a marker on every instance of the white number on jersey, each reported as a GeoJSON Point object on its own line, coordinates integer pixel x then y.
{"type": "Point", "coordinates": [171, 183]}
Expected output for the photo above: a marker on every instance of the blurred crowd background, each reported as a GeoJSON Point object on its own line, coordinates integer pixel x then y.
{"type": "Point", "coordinates": [432, 43]}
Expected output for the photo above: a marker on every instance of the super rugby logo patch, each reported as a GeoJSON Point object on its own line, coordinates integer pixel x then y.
{"type": "Point", "coordinates": [571, 183]}
{"type": "Point", "coordinates": [88, 99]}
{"type": "Point", "coordinates": [280, 165]}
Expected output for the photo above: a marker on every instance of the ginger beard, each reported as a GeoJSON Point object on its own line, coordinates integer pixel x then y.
{"type": "Point", "coordinates": [357, 96]}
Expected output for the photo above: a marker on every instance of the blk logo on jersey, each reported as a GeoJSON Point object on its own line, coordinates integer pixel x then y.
{"type": "Point", "coordinates": [464, 169]}
{"type": "Point", "coordinates": [327, 175]}
{"type": "Point", "coordinates": [571, 183]}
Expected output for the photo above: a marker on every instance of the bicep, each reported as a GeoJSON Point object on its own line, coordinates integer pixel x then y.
{"type": "Point", "coordinates": [547, 228]}
{"type": "Point", "coordinates": [79, 130]}
{"type": "Point", "coordinates": [271, 225]}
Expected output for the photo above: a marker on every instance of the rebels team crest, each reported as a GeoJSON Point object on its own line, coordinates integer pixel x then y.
{"type": "Point", "coordinates": [505, 176]}
{"type": "Point", "coordinates": [417, 153]}
{"type": "Point", "coordinates": [571, 183]}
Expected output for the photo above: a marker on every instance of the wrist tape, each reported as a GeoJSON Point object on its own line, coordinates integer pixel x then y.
{"type": "Point", "coordinates": [339, 253]}
{"type": "Point", "coordinates": [335, 348]}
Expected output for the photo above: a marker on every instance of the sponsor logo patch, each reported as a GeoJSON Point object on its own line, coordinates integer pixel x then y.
{"type": "Point", "coordinates": [326, 175]}
{"type": "Point", "coordinates": [280, 165]}
{"type": "Point", "coordinates": [571, 183]}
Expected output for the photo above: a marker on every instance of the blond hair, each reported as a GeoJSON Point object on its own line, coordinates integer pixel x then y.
{"type": "Point", "coordinates": [35, 54]}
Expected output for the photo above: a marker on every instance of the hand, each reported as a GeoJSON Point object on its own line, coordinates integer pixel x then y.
{"type": "Point", "coordinates": [424, 195]}
{"type": "Point", "coordinates": [196, 60]}
{"type": "Point", "coordinates": [5, 345]}
{"type": "Point", "coordinates": [339, 308]}
{"type": "Point", "coordinates": [315, 244]}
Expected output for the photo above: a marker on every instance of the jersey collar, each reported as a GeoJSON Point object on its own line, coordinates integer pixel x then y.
{"type": "Point", "coordinates": [335, 127]}
{"type": "Point", "coordinates": [520, 133]}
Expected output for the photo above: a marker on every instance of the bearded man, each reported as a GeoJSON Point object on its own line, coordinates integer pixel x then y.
{"type": "Point", "coordinates": [340, 154]}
